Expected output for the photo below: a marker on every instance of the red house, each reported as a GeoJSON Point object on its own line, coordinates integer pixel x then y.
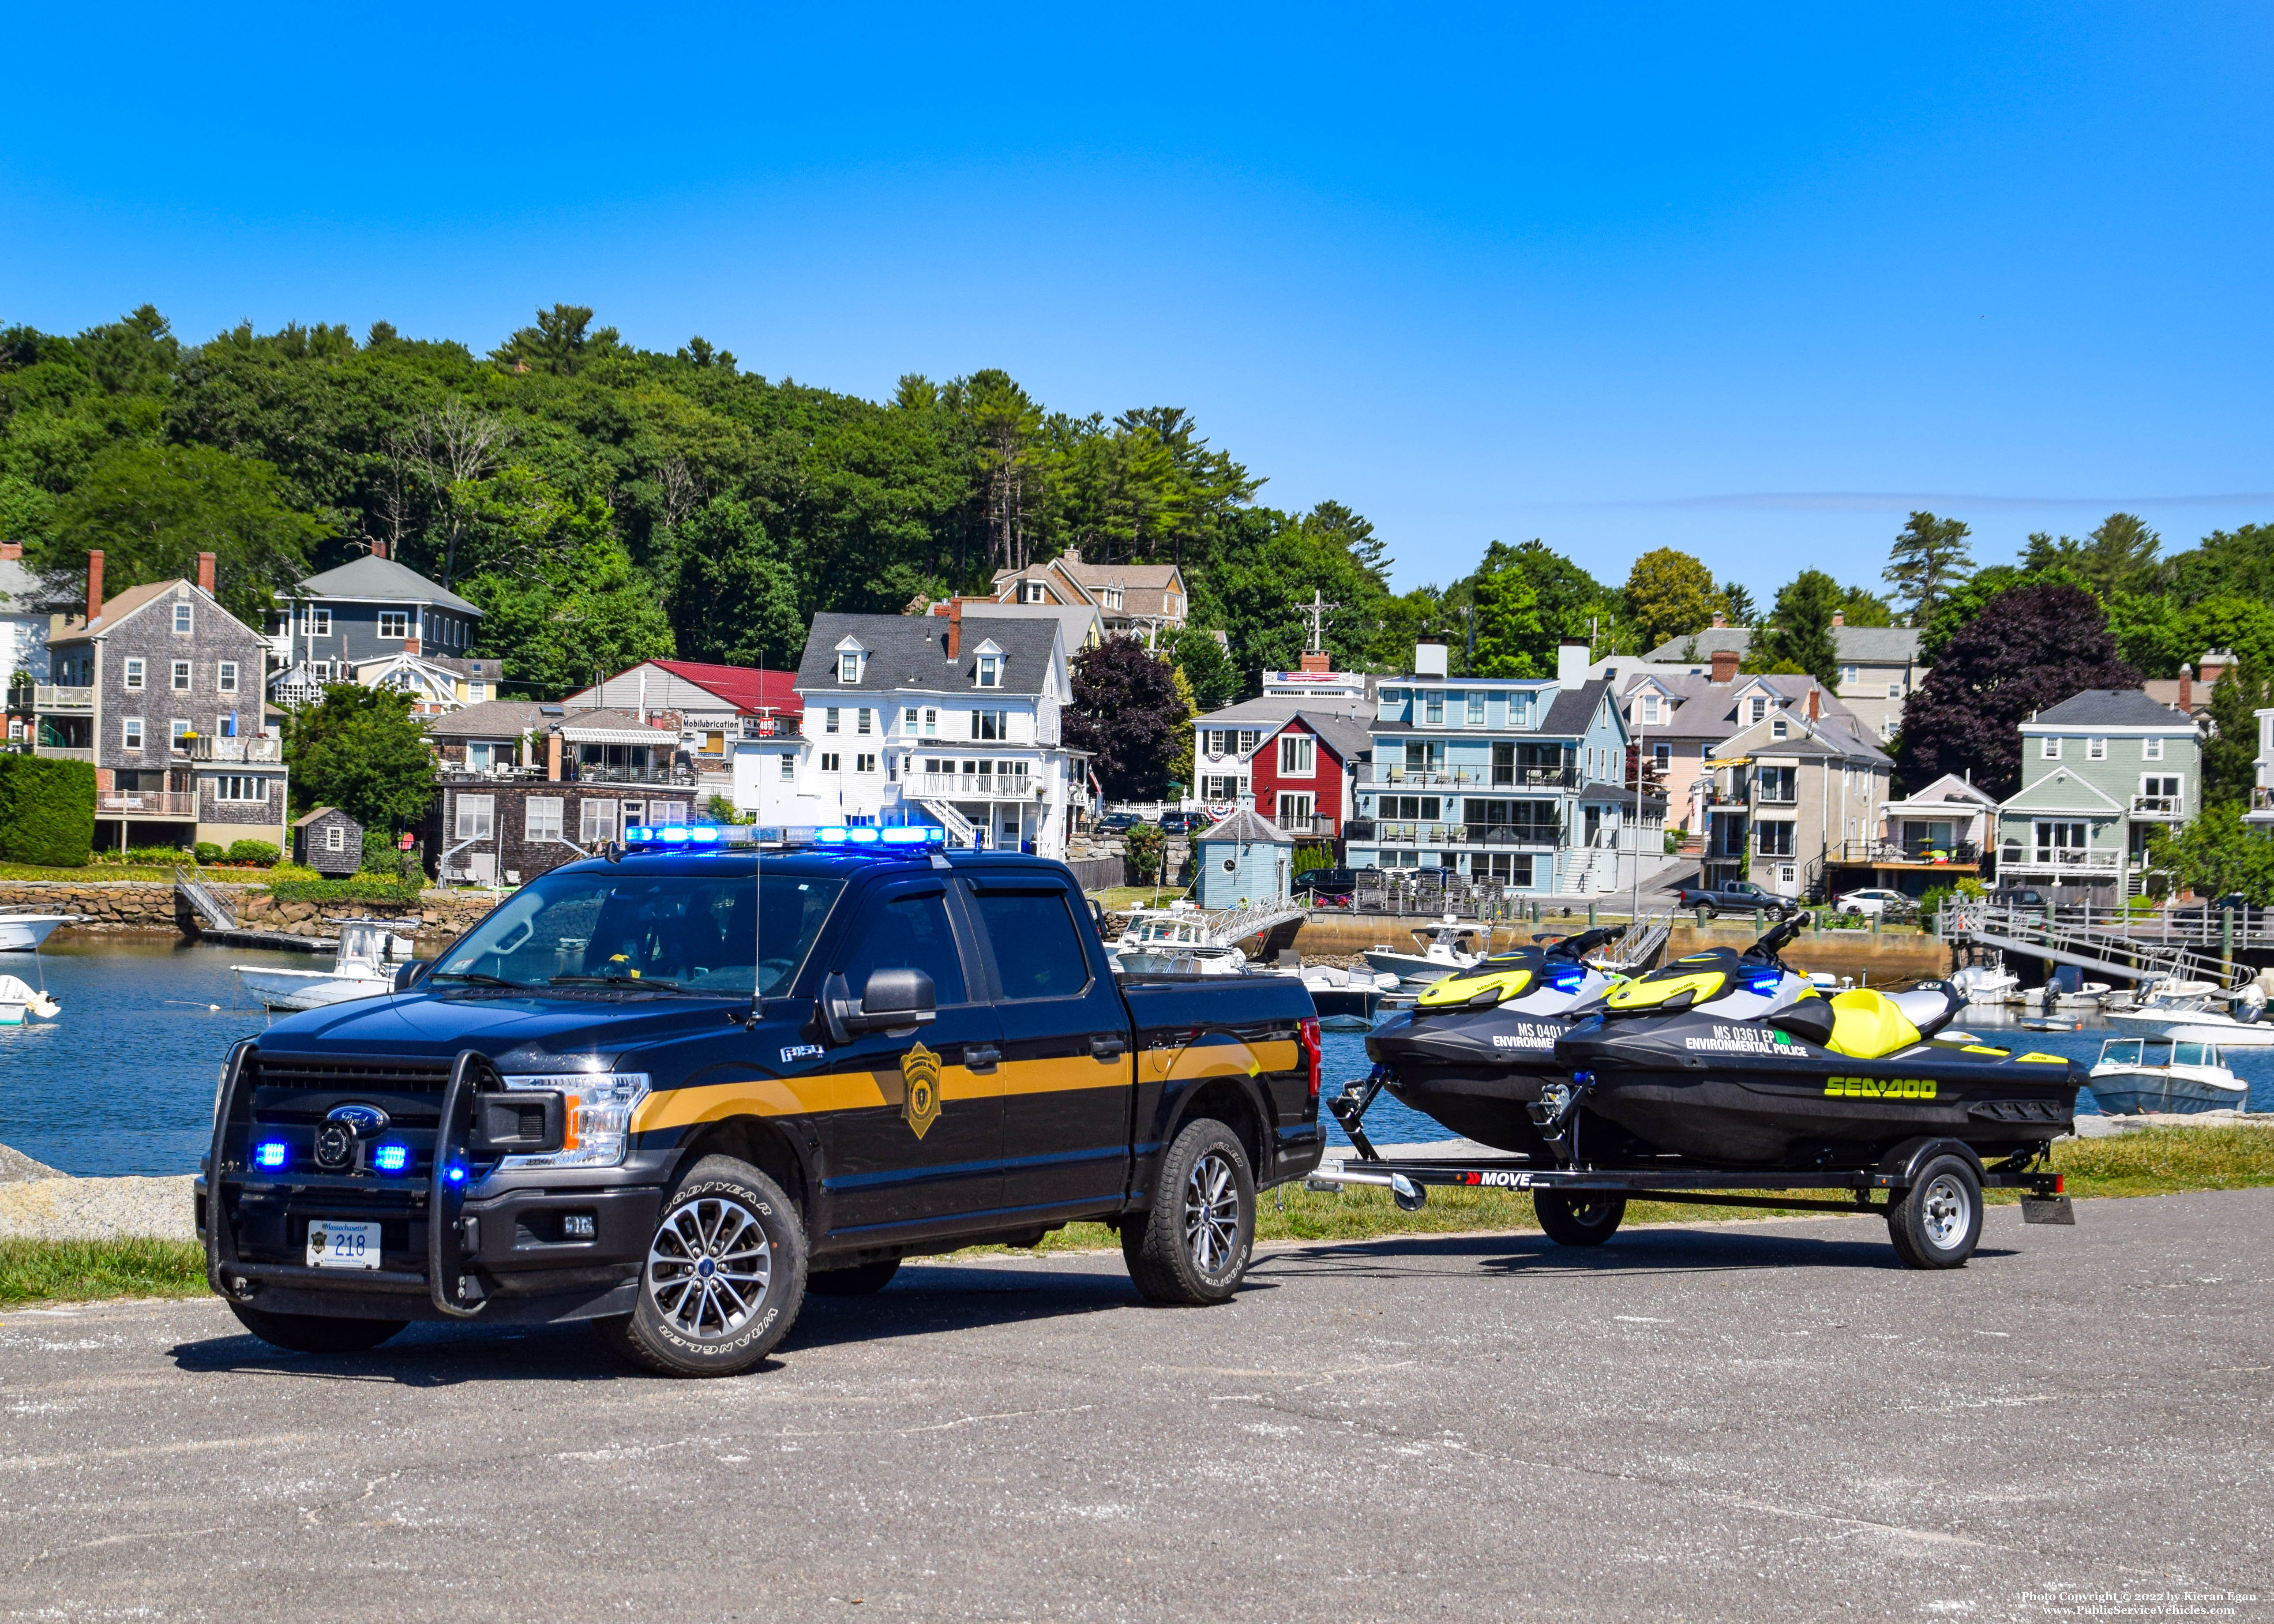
{"type": "Point", "coordinates": [1303, 773]}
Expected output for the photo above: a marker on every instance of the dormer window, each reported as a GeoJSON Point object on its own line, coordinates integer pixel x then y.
{"type": "Point", "coordinates": [989, 672]}
{"type": "Point", "coordinates": [1759, 708]}
{"type": "Point", "coordinates": [1650, 707]}
{"type": "Point", "coordinates": [1030, 592]}
{"type": "Point", "coordinates": [850, 656]}
{"type": "Point", "coordinates": [1112, 597]}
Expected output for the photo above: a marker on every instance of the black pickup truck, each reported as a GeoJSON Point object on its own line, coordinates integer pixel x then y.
{"type": "Point", "coordinates": [672, 1091]}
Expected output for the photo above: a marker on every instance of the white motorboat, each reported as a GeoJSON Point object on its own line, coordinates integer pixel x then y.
{"type": "Point", "coordinates": [2200, 1012]}
{"type": "Point", "coordinates": [1986, 983]}
{"type": "Point", "coordinates": [1174, 941]}
{"type": "Point", "coordinates": [359, 971]}
{"type": "Point", "coordinates": [1340, 994]}
{"type": "Point", "coordinates": [22, 933]}
{"type": "Point", "coordinates": [2135, 1076]}
{"type": "Point", "coordinates": [17, 997]}
{"type": "Point", "coordinates": [1442, 954]}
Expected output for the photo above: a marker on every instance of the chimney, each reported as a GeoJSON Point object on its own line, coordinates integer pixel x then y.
{"type": "Point", "coordinates": [1571, 662]}
{"type": "Point", "coordinates": [552, 757]}
{"type": "Point", "coordinates": [1720, 618]}
{"type": "Point", "coordinates": [379, 549]}
{"type": "Point", "coordinates": [2187, 691]}
{"type": "Point", "coordinates": [1429, 658]}
{"type": "Point", "coordinates": [205, 574]}
{"type": "Point", "coordinates": [1317, 660]}
{"type": "Point", "coordinates": [1839, 617]}
{"type": "Point", "coordinates": [94, 585]}
{"type": "Point", "coordinates": [10, 550]}
{"type": "Point", "coordinates": [1814, 693]}
{"type": "Point", "coordinates": [1725, 666]}
{"type": "Point", "coordinates": [955, 629]}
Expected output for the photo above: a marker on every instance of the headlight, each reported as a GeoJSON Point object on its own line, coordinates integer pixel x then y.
{"type": "Point", "coordinates": [599, 1110]}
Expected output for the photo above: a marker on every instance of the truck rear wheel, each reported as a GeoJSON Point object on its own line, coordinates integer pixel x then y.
{"type": "Point", "coordinates": [861, 1279]}
{"type": "Point", "coordinates": [1937, 1222]}
{"type": "Point", "coordinates": [724, 1278]}
{"type": "Point", "coordinates": [1578, 1220]}
{"type": "Point", "coordinates": [315, 1333]}
{"type": "Point", "coordinates": [1193, 1247]}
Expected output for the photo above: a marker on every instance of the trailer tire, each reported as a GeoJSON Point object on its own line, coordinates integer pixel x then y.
{"type": "Point", "coordinates": [1937, 1222]}
{"type": "Point", "coordinates": [1192, 1249]}
{"type": "Point", "coordinates": [1588, 1220]}
{"type": "Point", "coordinates": [861, 1280]}
{"type": "Point", "coordinates": [315, 1333]}
{"type": "Point", "coordinates": [724, 1279]}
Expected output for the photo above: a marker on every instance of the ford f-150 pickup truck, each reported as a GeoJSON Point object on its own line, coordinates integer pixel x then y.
{"type": "Point", "coordinates": [673, 1090]}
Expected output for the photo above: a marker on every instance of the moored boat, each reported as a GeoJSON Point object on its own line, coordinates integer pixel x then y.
{"type": "Point", "coordinates": [18, 997]}
{"type": "Point", "coordinates": [1440, 954]}
{"type": "Point", "coordinates": [359, 971]}
{"type": "Point", "coordinates": [2139, 1076]}
{"type": "Point", "coordinates": [23, 933]}
{"type": "Point", "coordinates": [2199, 1012]}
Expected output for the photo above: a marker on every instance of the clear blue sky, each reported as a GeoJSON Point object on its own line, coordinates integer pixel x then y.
{"type": "Point", "coordinates": [1742, 282]}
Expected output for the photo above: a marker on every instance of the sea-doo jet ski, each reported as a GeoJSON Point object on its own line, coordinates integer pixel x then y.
{"type": "Point", "coordinates": [1730, 1059]}
{"type": "Point", "coordinates": [1476, 1048]}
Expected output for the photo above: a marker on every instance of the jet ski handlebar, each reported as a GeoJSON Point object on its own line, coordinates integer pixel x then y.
{"type": "Point", "coordinates": [1586, 941]}
{"type": "Point", "coordinates": [1778, 937]}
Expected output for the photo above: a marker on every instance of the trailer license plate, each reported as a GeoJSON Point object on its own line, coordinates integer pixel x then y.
{"type": "Point", "coordinates": [343, 1246]}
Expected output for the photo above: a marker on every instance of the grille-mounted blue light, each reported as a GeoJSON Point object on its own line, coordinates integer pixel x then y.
{"type": "Point", "coordinates": [456, 1174]}
{"type": "Point", "coordinates": [271, 1154]}
{"type": "Point", "coordinates": [390, 1158]}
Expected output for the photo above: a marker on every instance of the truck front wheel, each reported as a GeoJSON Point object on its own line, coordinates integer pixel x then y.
{"type": "Point", "coordinates": [1193, 1248]}
{"type": "Point", "coordinates": [315, 1333]}
{"type": "Point", "coordinates": [724, 1279]}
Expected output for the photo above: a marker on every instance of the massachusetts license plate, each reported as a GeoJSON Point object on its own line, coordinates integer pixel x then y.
{"type": "Point", "coordinates": [343, 1246]}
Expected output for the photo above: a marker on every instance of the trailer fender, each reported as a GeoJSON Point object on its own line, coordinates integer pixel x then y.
{"type": "Point", "coordinates": [1900, 1168]}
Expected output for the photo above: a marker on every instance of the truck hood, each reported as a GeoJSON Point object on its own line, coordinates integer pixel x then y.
{"type": "Point", "coordinates": [424, 1024]}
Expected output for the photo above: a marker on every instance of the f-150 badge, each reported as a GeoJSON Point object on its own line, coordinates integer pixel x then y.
{"type": "Point", "coordinates": [920, 1072]}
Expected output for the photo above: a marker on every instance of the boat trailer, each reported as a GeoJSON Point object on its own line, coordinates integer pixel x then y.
{"type": "Point", "coordinates": [1597, 1196]}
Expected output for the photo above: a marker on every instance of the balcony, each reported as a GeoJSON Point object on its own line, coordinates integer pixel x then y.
{"type": "Point", "coordinates": [1480, 777]}
{"type": "Point", "coordinates": [251, 750]}
{"type": "Point", "coordinates": [972, 785]}
{"type": "Point", "coordinates": [147, 803]}
{"type": "Point", "coordinates": [1306, 828]}
{"type": "Point", "coordinates": [1385, 832]}
{"type": "Point", "coordinates": [50, 696]}
{"type": "Point", "coordinates": [2169, 806]}
{"type": "Point", "coordinates": [593, 772]}
{"type": "Point", "coordinates": [63, 752]}
{"type": "Point", "coordinates": [1881, 854]}
{"type": "Point", "coordinates": [2059, 861]}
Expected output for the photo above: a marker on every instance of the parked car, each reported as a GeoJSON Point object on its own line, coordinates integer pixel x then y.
{"type": "Point", "coordinates": [1327, 888]}
{"type": "Point", "coordinates": [1735, 897]}
{"type": "Point", "coordinates": [1184, 822]}
{"type": "Point", "coordinates": [1877, 902]}
{"type": "Point", "coordinates": [2019, 897]}
{"type": "Point", "coordinates": [1117, 823]}
{"type": "Point", "coordinates": [594, 1105]}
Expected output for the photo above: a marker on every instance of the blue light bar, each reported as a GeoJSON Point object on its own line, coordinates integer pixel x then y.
{"type": "Point", "coordinates": [909, 837]}
{"type": "Point", "coordinates": [830, 837]}
{"type": "Point", "coordinates": [390, 1158]}
{"type": "Point", "coordinates": [861, 835]}
{"type": "Point", "coordinates": [703, 835]}
{"type": "Point", "coordinates": [672, 837]}
{"type": "Point", "coordinates": [271, 1154]}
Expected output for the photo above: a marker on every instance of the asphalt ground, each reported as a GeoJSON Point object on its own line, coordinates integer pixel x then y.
{"type": "Point", "coordinates": [1754, 1421]}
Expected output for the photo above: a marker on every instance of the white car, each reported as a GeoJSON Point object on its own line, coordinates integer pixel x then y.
{"type": "Point", "coordinates": [1874, 902]}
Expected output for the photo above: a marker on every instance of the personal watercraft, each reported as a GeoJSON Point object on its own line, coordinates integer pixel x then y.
{"type": "Point", "coordinates": [1729, 1059]}
{"type": "Point", "coordinates": [1478, 1046]}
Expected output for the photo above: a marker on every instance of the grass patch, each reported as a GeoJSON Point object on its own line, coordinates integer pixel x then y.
{"type": "Point", "coordinates": [79, 1271]}
{"type": "Point", "coordinates": [1121, 898]}
{"type": "Point", "coordinates": [2159, 1161]}
{"type": "Point", "coordinates": [92, 873]}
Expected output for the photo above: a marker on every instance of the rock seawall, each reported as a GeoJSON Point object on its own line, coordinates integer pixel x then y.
{"type": "Point", "coordinates": [151, 904]}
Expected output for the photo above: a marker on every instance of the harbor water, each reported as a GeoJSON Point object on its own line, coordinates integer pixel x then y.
{"type": "Point", "coordinates": [123, 1082]}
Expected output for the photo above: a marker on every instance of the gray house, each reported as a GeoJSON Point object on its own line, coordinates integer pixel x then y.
{"type": "Point", "coordinates": [2100, 773]}
{"type": "Point", "coordinates": [375, 622]}
{"type": "Point", "coordinates": [1880, 667]}
{"type": "Point", "coordinates": [159, 689]}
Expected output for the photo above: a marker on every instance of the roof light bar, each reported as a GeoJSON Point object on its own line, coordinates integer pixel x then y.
{"type": "Point", "coordinates": [908, 840]}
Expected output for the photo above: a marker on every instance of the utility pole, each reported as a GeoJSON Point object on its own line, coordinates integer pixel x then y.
{"type": "Point", "coordinates": [1316, 611]}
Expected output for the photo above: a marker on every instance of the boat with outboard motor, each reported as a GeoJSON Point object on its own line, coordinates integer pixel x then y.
{"type": "Point", "coordinates": [359, 971]}
{"type": "Point", "coordinates": [1733, 1060]}
{"type": "Point", "coordinates": [1174, 941]}
{"type": "Point", "coordinates": [1442, 954]}
{"type": "Point", "coordinates": [2190, 1012]}
{"type": "Point", "coordinates": [2137, 1076]}
{"type": "Point", "coordinates": [22, 933]}
{"type": "Point", "coordinates": [1478, 1045]}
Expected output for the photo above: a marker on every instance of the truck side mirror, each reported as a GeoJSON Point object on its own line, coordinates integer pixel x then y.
{"type": "Point", "coordinates": [408, 975]}
{"type": "Point", "coordinates": [896, 999]}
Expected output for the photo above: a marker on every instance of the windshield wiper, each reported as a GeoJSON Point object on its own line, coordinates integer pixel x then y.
{"type": "Point", "coordinates": [612, 980]}
{"type": "Point", "coordinates": [478, 979]}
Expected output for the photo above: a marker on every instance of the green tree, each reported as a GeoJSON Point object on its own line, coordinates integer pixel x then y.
{"type": "Point", "coordinates": [2215, 854]}
{"type": "Point", "coordinates": [737, 596]}
{"type": "Point", "coordinates": [1506, 627]}
{"type": "Point", "coordinates": [1736, 605]}
{"type": "Point", "coordinates": [2119, 556]}
{"type": "Point", "coordinates": [1669, 594]}
{"type": "Point", "coordinates": [2243, 626]}
{"type": "Point", "coordinates": [1931, 556]}
{"type": "Point", "coordinates": [1862, 608]}
{"type": "Point", "coordinates": [361, 750]}
{"type": "Point", "coordinates": [2230, 748]}
{"type": "Point", "coordinates": [562, 342]}
{"type": "Point", "coordinates": [153, 509]}
{"type": "Point", "coordinates": [1207, 669]}
{"type": "Point", "coordinates": [1799, 633]}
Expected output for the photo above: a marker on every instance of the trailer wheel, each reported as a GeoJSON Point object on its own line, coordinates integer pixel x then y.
{"type": "Point", "coordinates": [724, 1279]}
{"type": "Point", "coordinates": [1193, 1248]}
{"type": "Point", "coordinates": [315, 1333]}
{"type": "Point", "coordinates": [861, 1280]}
{"type": "Point", "coordinates": [1937, 1222]}
{"type": "Point", "coordinates": [1578, 1220]}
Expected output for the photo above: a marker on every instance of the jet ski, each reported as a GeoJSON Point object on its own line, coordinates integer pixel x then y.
{"type": "Point", "coordinates": [1729, 1059]}
{"type": "Point", "coordinates": [1477, 1046]}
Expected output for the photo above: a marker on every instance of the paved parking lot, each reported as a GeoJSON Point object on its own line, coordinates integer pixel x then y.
{"type": "Point", "coordinates": [1746, 1422]}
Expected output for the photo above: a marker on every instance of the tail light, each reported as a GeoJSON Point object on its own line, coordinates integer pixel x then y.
{"type": "Point", "coordinates": [1314, 1055]}
{"type": "Point", "coordinates": [2060, 1184]}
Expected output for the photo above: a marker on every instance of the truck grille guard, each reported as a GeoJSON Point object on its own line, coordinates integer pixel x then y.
{"type": "Point", "coordinates": [453, 1293]}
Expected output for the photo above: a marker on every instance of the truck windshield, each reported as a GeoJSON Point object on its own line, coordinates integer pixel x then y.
{"type": "Point", "coordinates": [704, 933]}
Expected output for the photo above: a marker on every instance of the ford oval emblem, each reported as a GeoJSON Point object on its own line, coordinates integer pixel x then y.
{"type": "Point", "coordinates": [366, 1122]}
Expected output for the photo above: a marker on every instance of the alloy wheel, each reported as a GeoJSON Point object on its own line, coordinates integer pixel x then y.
{"type": "Point", "coordinates": [709, 1267]}
{"type": "Point", "coordinates": [1212, 1213]}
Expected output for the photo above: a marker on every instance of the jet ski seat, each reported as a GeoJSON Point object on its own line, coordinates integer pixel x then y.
{"type": "Point", "coordinates": [1869, 1025]}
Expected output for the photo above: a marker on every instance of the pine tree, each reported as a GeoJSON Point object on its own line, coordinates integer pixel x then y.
{"type": "Point", "coordinates": [1929, 558]}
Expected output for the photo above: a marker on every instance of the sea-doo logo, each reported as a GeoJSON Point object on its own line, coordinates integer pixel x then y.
{"type": "Point", "coordinates": [1528, 1034]}
{"type": "Point", "coordinates": [1879, 1087]}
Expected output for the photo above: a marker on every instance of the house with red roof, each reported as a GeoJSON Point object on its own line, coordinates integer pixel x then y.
{"type": "Point", "coordinates": [713, 706]}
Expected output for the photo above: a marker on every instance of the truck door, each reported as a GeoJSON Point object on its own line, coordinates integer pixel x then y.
{"type": "Point", "coordinates": [903, 1160]}
{"type": "Point", "coordinates": [1066, 1065]}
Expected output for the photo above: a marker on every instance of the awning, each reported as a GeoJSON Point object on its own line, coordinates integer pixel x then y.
{"type": "Point", "coordinates": [654, 736]}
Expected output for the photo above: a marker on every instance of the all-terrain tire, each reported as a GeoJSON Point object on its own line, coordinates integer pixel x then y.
{"type": "Point", "coordinates": [315, 1333]}
{"type": "Point", "coordinates": [861, 1280]}
{"type": "Point", "coordinates": [1578, 1220]}
{"type": "Point", "coordinates": [1937, 1222]}
{"type": "Point", "coordinates": [1193, 1248]}
{"type": "Point", "coordinates": [724, 1279]}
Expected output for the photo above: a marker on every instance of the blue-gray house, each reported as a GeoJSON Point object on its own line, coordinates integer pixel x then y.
{"type": "Point", "coordinates": [375, 622]}
{"type": "Point", "coordinates": [1523, 782]}
{"type": "Point", "coordinates": [1245, 859]}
